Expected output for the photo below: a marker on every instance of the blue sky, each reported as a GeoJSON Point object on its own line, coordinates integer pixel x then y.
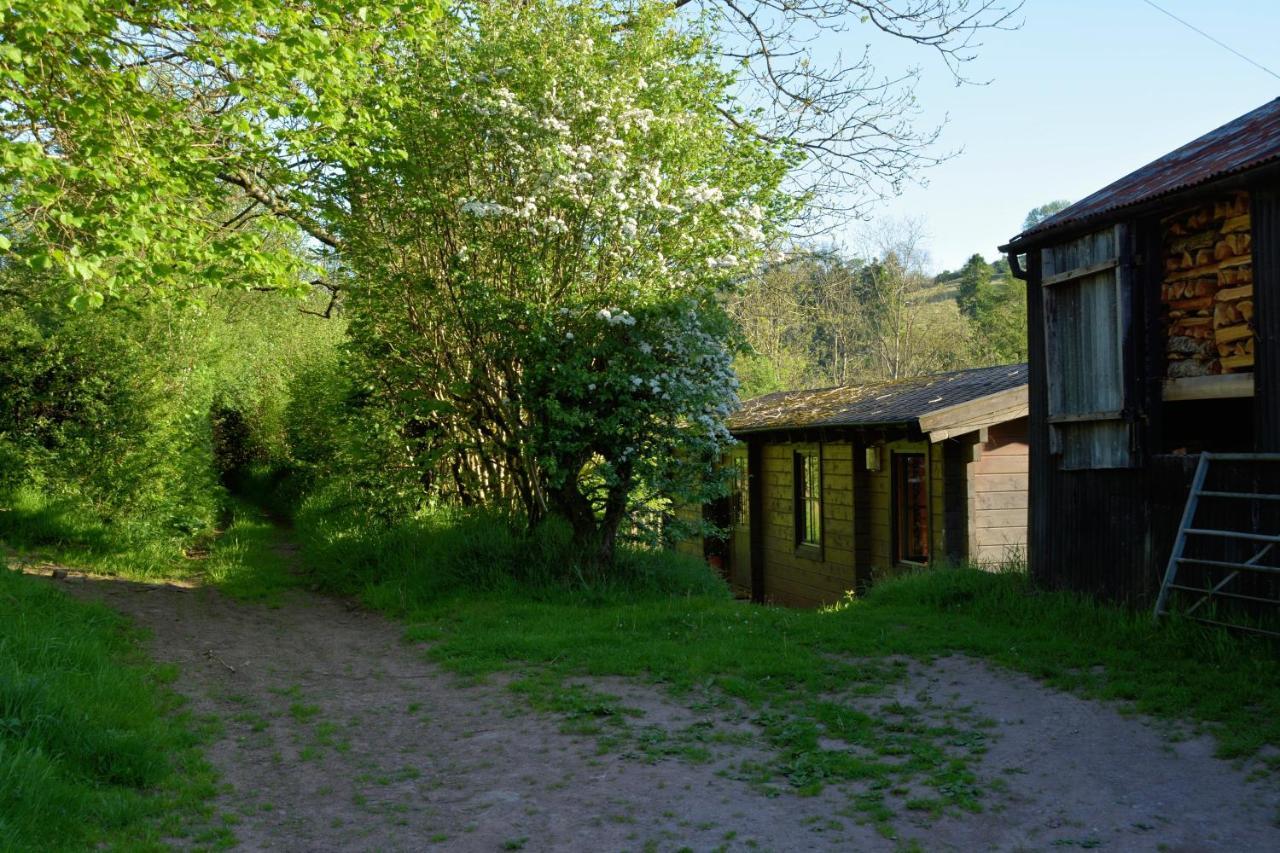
{"type": "Point", "coordinates": [1085, 92]}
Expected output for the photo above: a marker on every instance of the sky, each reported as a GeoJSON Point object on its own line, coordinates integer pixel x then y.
{"type": "Point", "coordinates": [1083, 93]}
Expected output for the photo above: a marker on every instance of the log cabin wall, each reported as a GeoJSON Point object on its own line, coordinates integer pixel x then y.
{"type": "Point", "coordinates": [805, 577]}
{"type": "Point", "coordinates": [736, 547]}
{"type": "Point", "coordinates": [982, 500]}
{"type": "Point", "coordinates": [1207, 292]}
{"type": "Point", "coordinates": [998, 495]}
{"type": "Point", "coordinates": [691, 515]}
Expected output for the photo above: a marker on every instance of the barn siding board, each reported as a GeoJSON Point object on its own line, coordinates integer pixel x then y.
{"type": "Point", "coordinates": [1009, 518]}
{"type": "Point", "coordinates": [1266, 286]}
{"type": "Point", "coordinates": [1002, 535]}
{"type": "Point", "coordinates": [1002, 482]}
{"type": "Point", "coordinates": [1007, 464]}
{"type": "Point", "coordinates": [996, 554]}
{"type": "Point", "coordinates": [999, 494]}
{"type": "Point", "coordinates": [1039, 559]}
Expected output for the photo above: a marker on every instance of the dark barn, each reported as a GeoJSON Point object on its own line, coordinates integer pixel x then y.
{"type": "Point", "coordinates": [1154, 338]}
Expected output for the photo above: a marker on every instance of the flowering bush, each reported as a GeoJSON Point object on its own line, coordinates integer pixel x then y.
{"type": "Point", "coordinates": [542, 263]}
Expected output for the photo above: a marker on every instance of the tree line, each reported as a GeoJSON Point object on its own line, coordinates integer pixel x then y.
{"type": "Point", "coordinates": [826, 317]}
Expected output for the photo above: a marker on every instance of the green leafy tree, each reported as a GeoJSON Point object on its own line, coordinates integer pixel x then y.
{"type": "Point", "coordinates": [1039, 214]}
{"type": "Point", "coordinates": [542, 277]}
{"type": "Point", "coordinates": [994, 304]}
{"type": "Point", "coordinates": [973, 286]}
{"type": "Point", "coordinates": [153, 146]}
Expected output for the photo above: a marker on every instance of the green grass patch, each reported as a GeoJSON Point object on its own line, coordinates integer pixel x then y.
{"type": "Point", "coordinates": [816, 684]}
{"type": "Point", "coordinates": [93, 749]}
{"type": "Point", "coordinates": [251, 559]}
{"type": "Point", "coordinates": [759, 654]}
{"type": "Point", "coordinates": [248, 558]}
{"type": "Point", "coordinates": [38, 524]}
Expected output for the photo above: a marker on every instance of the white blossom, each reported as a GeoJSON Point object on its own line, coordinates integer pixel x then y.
{"type": "Point", "coordinates": [704, 194]}
{"type": "Point", "coordinates": [482, 209]}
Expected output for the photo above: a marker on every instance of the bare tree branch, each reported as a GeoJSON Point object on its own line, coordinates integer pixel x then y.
{"type": "Point", "coordinates": [857, 127]}
{"type": "Point", "coordinates": [281, 207]}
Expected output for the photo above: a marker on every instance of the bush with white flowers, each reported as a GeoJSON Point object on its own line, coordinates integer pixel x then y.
{"type": "Point", "coordinates": [544, 255]}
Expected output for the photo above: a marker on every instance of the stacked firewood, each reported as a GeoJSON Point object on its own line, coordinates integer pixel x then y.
{"type": "Point", "coordinates": [1208, 289]}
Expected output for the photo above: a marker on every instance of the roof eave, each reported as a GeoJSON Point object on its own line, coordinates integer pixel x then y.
{"type": "Point", "coordinates": [1075, 227]}
{"type": "Point", "coordinates": [911, 423]}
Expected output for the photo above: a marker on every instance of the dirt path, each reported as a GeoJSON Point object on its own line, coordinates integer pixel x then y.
{"type": "Point", "coordinates": [338, 736]}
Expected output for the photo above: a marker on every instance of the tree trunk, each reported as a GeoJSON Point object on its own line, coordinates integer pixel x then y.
{"type": "Point", "coordinates": [615, 510]}
{"type": "Point", "coordinates": [569, 503]}
{"type": "Point", "coordinates": [595, 540]}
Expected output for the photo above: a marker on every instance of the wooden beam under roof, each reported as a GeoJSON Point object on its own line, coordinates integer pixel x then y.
{"type": "Point", "coordinates": [983, 412]}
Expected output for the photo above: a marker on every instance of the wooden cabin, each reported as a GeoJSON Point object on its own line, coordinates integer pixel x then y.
{"type": "Point", "coordinates": [836, 487]}
{"type": "Point", "coordinates": [1154, 335]}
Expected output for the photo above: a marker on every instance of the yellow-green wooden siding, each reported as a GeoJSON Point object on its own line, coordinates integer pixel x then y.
{"type": "Point", "coordinates": [993, 513]}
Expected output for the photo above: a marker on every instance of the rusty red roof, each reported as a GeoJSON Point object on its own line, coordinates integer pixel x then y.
{"type": "Point", "coordinates": [878, 404]}
{"type": "Point", "coordinates": [1244, 143]}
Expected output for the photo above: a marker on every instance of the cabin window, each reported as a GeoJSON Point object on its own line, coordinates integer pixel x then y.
{"type": "Point", "coordinates": [911, 507]}
{"type": "Point", "coordinates": [1086, 312]}
{"type": "Point", "coordinates": [808, 497]}
{"type": "Point", "coordinates": [738, 499]}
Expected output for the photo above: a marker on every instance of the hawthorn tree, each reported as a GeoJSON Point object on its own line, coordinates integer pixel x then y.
{"type": "Point", "coordinates": [540, 278]}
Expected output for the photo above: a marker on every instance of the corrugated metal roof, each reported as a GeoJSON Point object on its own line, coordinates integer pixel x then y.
{"type": "Point", "coordinates": [882, 404]}
{"type": "Point", "coordinates": [1249, 141]}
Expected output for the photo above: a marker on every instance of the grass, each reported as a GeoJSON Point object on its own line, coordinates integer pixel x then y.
{"type": "Point", "coordinates": [93, 749]}
{"type": "Point", "coordinates": [244, 559]}
{"type": "Point", "coordinates": [822, 690]}
{"type": "Point", "coordinates": [63, 529]}
{"type": "Point", "coordinates": [758, 654]}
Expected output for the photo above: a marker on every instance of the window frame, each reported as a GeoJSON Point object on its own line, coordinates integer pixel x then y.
{"type": "Point", "coordinates": [896, 462]}
{"type": "Point", "coordinates": [806, 499]}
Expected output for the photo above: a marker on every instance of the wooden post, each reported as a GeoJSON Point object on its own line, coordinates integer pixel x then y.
{"type": "Point", "coordinates": [861, 513]}
{"type": "Point", "coordinates": [1040, 513]}
{"type": "Point", "coordinates": [957, 458]}
{"type": "Point", "coordinates": [755, 506]}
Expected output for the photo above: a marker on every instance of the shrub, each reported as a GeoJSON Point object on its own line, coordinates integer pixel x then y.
{"type": "Point", "coordinates": [447, 551]}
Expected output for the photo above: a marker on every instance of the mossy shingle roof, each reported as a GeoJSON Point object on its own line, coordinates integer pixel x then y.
{"type": "Point", "coordinates": [880, 404]}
